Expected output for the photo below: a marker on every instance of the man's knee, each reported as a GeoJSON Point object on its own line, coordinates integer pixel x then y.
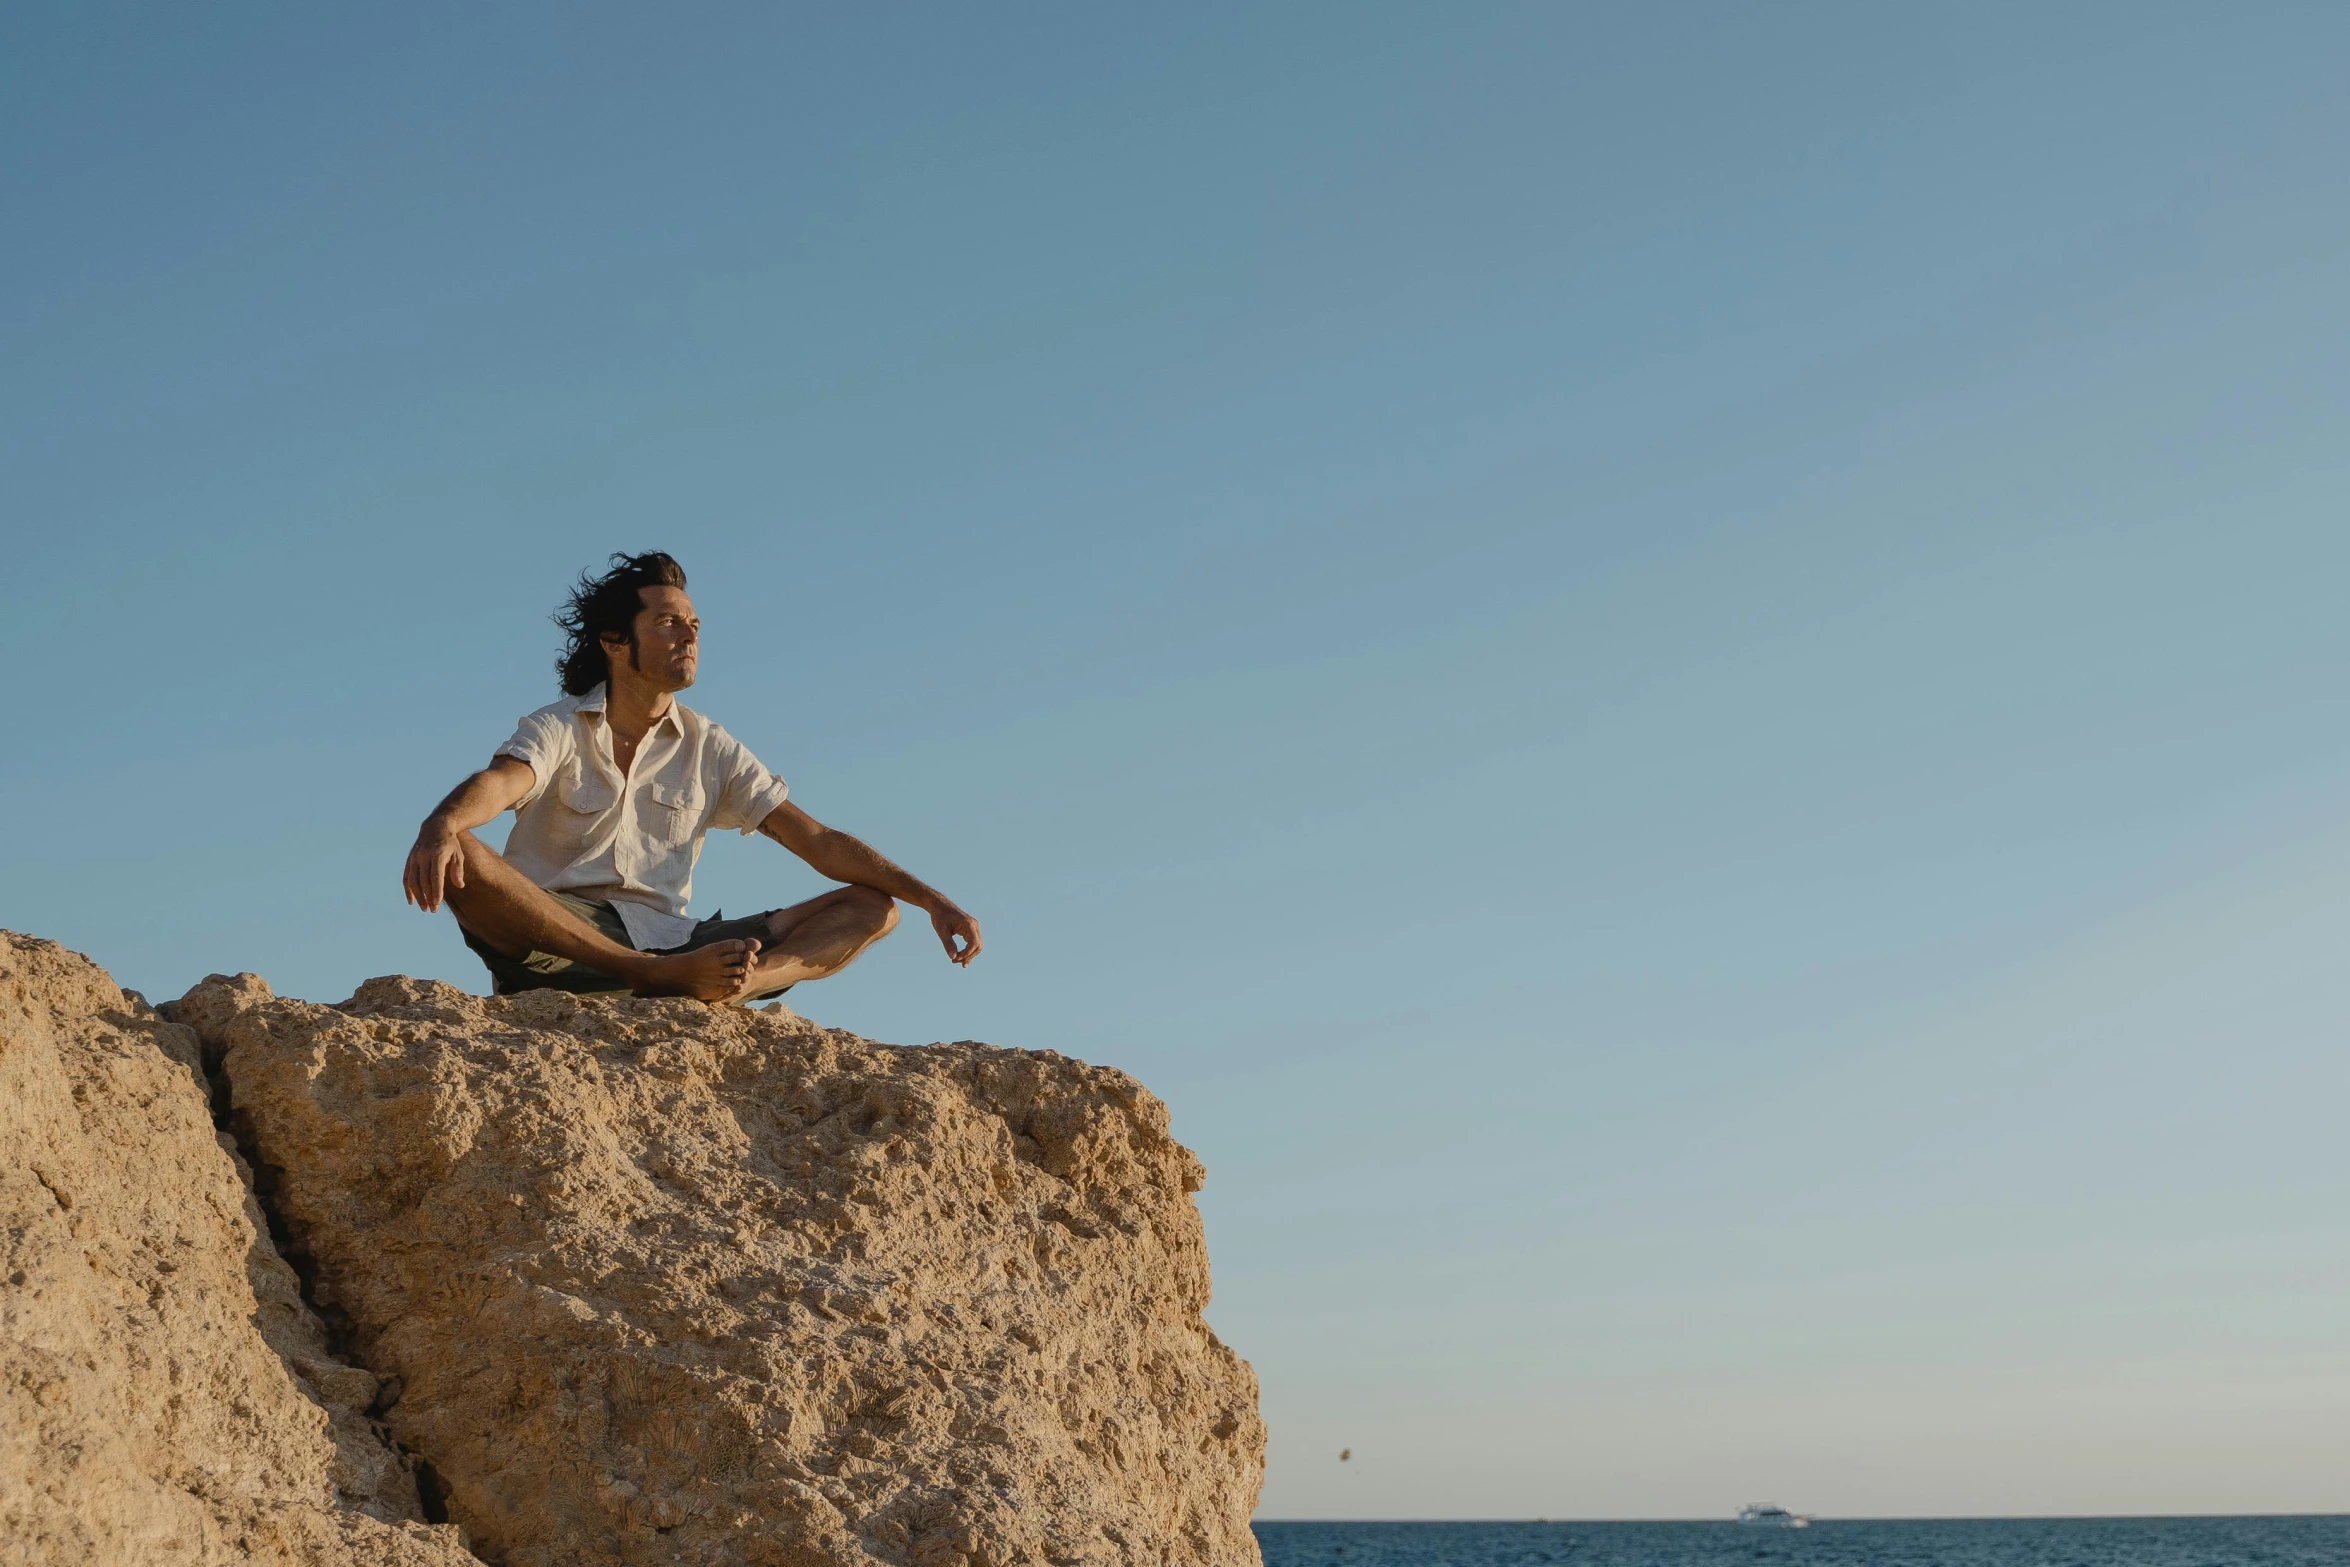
{"type": "Point", "coordinates": [873, 908]}
{"type": "Point", "coordinates": [481, 880]}
{"type": "Point", "coordinates": [877, 906]}
{"type": "Point", "coordinates": [479, 855]}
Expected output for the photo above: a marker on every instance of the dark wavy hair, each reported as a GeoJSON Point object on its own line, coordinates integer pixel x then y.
{"type": "Point", "coordinates": [606, 606]}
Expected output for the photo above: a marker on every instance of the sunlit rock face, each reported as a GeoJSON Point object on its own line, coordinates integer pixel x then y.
{"type": "Point", "coordinates": [656, 1282]}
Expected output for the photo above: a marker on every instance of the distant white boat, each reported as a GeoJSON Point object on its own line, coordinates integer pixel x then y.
{"type": "Point", "coordinates": [1769, 1515]}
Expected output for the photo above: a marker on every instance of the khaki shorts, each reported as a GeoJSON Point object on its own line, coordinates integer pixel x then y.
{"type": "Point", "coordinates": [546, 971]}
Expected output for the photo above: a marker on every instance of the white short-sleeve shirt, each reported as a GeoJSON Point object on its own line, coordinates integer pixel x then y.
{"type": "Point", "coordinates": [630, 841]}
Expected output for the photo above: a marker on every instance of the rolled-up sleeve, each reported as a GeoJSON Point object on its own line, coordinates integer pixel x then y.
{"type": "Point", "coordinates": [542, 742]}
{"type": "Point", "coordinates": [745, 791]}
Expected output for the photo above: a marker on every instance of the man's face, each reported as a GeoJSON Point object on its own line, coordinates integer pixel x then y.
{"type": "Point", "coordinates": [666, 640]}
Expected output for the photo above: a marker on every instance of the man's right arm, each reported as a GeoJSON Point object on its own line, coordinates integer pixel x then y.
{"type": "Point", "coordinates": [437, 862]}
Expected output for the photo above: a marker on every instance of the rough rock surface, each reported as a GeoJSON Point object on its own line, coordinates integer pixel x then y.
{"type": "Point", "coordinates": [165, 1396]}
{"type": "Point", "coordinates": [654, 1282]}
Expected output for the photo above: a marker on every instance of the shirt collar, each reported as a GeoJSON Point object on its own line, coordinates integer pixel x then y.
{"type": "Point", "coordinates": [593, 702]}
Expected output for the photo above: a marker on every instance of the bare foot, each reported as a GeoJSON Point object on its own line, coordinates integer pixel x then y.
{"type": "Point", "coordinates": [717, 972]}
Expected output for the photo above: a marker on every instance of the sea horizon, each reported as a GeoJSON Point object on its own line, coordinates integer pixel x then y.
{"type": "Point", "coordinates": [1824, 1518]}
{"type": "Point", "coordinates": [2157, 1540]}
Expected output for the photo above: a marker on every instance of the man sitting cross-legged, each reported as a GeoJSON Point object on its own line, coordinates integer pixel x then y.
{"type": "Point", "coordinates": [612, 789]}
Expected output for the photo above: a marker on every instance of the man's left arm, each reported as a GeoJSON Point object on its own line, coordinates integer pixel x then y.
{"type": "Point", "coordinates": [831, 852]}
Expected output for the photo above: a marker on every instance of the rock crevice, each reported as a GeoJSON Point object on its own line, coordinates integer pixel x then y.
{"type": "Point", "coordinates": [207, 1011]}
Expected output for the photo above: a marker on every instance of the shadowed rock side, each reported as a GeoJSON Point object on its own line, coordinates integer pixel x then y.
{"type": "Point", "coordinates": [664, 1283]}
{"type": "Point", "coordinates": [165, 1397]}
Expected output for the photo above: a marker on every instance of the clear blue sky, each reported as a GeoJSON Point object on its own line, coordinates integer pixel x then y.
{"type": "Point", "coordinates": [1676, 671]}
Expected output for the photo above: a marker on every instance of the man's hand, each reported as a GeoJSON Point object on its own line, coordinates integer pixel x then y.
{"type": "Point", "coordinates": [950, 923]}
{"type": "Point", "coordinates": [436, 863]}
{"type": "Point", "coordinates": [831, 852]}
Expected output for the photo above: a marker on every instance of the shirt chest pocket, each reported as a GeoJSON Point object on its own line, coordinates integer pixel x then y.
{"type": "Point", "coordinates": [582, 791]}
{"type": "Point", "coordinates": [671, 813]}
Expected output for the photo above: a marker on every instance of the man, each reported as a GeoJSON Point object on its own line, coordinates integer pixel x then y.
{"type": "Point", "coordinates": [612, 789]}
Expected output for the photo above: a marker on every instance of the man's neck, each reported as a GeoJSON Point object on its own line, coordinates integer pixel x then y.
{"type": "Point", "coordinates": [632, 708]}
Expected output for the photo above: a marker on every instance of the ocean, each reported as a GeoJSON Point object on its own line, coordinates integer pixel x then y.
{"type": "Point", "coordinates": [2321, 1541]}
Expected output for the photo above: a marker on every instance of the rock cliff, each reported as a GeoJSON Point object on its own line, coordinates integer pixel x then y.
{"type": "Point", "coordinates": [654, 1282]}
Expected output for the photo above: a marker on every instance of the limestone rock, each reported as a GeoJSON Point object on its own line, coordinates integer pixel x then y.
{"type": "Point", "coordinates": [656, 1282]}
{"type": "Point", "coordinates": [165, 1395]}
